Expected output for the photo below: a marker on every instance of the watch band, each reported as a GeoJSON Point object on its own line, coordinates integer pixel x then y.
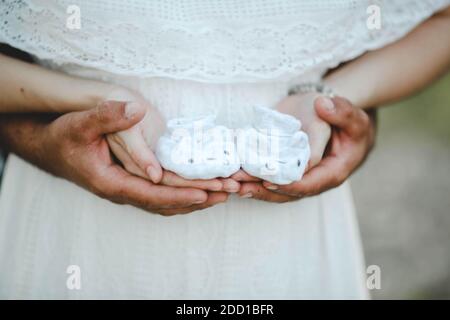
{"type": "Point", "coordinates": [308, 87]}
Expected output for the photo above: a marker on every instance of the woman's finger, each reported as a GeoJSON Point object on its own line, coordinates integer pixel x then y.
{"type": "Point", "coordinates": [141, 153]}
{"type": "Point", "coordinates": [319, 134]}
{"type": "Point", "coordinates": [318, 140]}
{"type": "Point", "coordinates": [172, 179]}
{"type": "Point", "coordinates": [230, 185]}
{"type": "Point", "coordinates": [241, 175]}
{"type": "Point", "coordinates": [124, 157]}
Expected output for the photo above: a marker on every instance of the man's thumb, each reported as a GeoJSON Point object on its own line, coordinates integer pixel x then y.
{"type": "Point", "coordinates": [338, 112]}
{"type": "Point", "coordinates": [114, 116]}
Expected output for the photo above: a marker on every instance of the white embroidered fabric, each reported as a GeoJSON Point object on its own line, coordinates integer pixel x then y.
{"type": "Point", "coordinates": [189, 58]}
{"type": "Point", "coordinates": [210, 41]}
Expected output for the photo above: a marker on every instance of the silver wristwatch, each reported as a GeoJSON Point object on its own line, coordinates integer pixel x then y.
{"type": "Point", "coordinates": [308, 87]}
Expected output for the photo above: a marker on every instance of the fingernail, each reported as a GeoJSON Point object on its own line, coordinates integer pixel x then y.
{"type": "Point", "coordinates": [247, 195]}
{"type": "Point", "coordinates": [153, 175]}
{"type": "Point", "coordinates": [232, 187]}
{"type": "Point", "coordinates": [199, 201]}
{"type": "Point", "coordinates": [131, 109]}
{"type": "Point", "coordinates": [272, 187]}
{"type": "Point", "coordinates": [327, 104]}
{"type": "Point", "coordinates": [217, 186]}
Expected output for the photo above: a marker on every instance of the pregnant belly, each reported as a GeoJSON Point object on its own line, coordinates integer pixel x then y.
{"type": "Point", "coordinates": [232, 103]}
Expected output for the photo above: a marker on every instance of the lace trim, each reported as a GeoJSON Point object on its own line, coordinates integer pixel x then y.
{"type": "Point", "coordinates": [278, 49]}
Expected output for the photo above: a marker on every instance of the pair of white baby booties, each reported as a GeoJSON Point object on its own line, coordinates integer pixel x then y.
{"type": "Point", "coordinates": [272, 148]}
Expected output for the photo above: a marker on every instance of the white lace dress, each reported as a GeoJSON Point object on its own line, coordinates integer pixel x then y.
{"type": "Point", "coordinates": [188, 56]}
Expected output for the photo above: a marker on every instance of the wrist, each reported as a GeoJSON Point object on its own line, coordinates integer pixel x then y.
{"type": "Point", "coordinates": [24, 135]}
{"type": "Point", "coordinates": [91, 93]}
{"type": "Point", "coordinates": [119, 93]}
{"type": "Point", "coordinates": [351, 86]}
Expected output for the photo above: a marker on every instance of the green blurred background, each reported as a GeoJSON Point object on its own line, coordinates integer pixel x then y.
{"type": "Point", "coordinates": [402, 196]}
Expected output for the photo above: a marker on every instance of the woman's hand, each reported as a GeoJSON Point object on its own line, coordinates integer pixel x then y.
{"type": "Point", "coordinates": [301, 106]}
{"type": "Point", "coordinates": [133, 147]}
{"type": "Point", "coordinates": [130, 146]}
{"type": "Point", "coordinates": [352, 139]}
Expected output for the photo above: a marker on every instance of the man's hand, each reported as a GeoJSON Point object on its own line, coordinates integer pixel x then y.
{"type": "Point", "coordinates": [130, 146]}
{"type": "Point", "coordinates": [133, 146]}
{"type": "Point", "coordinates": [74, 147]}
{"type": "Point", "coordinates": [301, 106]}
{"type": "Point", "coordinates": [352, 138]}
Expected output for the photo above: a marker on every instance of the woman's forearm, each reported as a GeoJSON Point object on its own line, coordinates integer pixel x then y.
{"type": "Point", "coordinates": [398, 70]}
{"type": "Point", "coordinates": [25, 87]}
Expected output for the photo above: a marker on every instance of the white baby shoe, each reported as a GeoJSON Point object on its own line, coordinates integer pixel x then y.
{"type": "Point", "coordinates": [196, 148]}
{"type": "Point", "coordinates": [274, 149]}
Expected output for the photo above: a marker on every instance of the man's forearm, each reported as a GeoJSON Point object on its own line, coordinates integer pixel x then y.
{"type": "Point", "coordinates": [22, 134]}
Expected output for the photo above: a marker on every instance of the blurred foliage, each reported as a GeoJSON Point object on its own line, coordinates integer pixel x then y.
{"type": "Point", "coordinates": [401, 196]}
{"type": "Point", "coordinates": [427, 111]}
